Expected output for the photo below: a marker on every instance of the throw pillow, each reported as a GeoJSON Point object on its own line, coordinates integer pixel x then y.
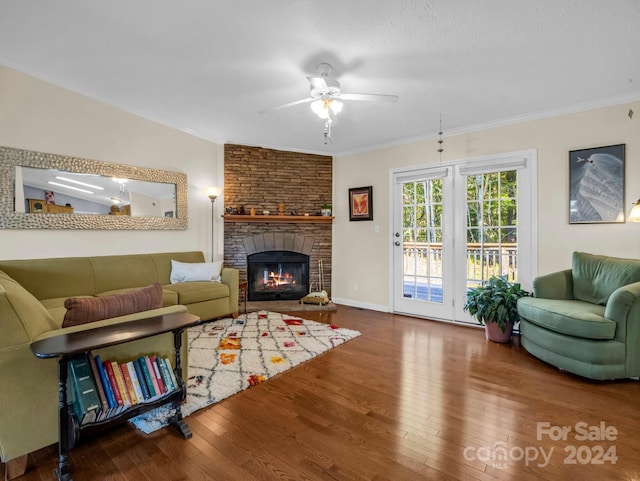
{"type": "Point", "coordinates": [82, 310]}
{"type": "Point", "coordinates": [195, 271]}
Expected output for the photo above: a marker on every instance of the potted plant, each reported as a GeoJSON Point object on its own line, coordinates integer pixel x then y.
{"type": "Point", "coordinates": [325, 210]}
{"type": "Point", "coordinates": [494, 304]}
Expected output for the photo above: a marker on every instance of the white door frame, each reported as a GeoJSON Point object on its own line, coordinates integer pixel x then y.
{"type": "Point", "coordinates": [527, 215]}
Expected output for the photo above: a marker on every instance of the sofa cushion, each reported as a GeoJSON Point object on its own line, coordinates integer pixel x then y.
{"type": "Point", "coordinates": [56, 308]}
{"type": "Point", "coordinates": [192, 292]}
{"type": "Point", "coordinates": [162, 262]}
{"type": "Point", "coordinates": [119, 272]}
{"type": "Point", "coordinates": [169, 298]}
{"type": "Point", "coordinates": [571, 317]}
{"type": "Point", "coordinates": [595, 277]}
{"type": "Point", "coordinates": [81, 310]}
{"type": "Point", "coordinates": [195, 271]}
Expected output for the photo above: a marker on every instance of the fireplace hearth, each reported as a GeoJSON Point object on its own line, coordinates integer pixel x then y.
{"type": "Point", "coordinates": [277, 275]}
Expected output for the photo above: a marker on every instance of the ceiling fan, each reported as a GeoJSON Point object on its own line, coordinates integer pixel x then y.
{"type": "Point", "coordinates": [326, 97]}
{"type": "Point", "coordinates": [326, 89]}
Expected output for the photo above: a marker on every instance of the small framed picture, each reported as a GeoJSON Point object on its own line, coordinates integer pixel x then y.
{"type": "Point", "coordinates": [596, 185]}
{"type": "Point", "coordinates": [361, 203]}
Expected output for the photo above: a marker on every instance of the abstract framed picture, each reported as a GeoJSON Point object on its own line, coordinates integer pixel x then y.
{"type": "Point", "coordinates": [596, 185]}
{"type": "Point", "coordinates": [361, 203]}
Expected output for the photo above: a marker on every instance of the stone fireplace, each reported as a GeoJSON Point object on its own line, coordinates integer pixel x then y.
{"type": "Point", "coordinates": [267, 179]}
{"type": "Point", "coordinates": [277, 266]}
{"type": "Point", "coordinates": [277, 275]}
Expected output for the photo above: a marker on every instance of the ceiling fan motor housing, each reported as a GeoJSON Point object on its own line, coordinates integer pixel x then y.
{"type": "Point", "coordinates": [329, 90]}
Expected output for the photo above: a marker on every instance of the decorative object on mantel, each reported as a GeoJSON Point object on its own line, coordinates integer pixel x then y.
{"type": "Point", "coordinates": [281, 208]}
{"type": "Point", "coordinates": [290, 219]}
{"type": "Point", "coordinates": [231, 355]}
{"type": "Point", "coordinates": [326, 209]}
{"type": "Point", "coordinates": [596, 185]}
{"type": "Point", "coordinates": [361, 203]}
{"type": "Point", "coordinates": [252, 211]}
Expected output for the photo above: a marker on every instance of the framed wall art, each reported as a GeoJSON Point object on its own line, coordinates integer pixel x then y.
{"type": "Point", "coordinates": [596, 185]}
{"type": "Point", "coordinates": [361, 203]}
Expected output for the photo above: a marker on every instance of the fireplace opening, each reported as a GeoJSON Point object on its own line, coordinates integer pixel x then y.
{"type": "Point", "coordinates": [277, 275]}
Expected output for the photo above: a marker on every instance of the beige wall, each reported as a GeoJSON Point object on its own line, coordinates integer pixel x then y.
{"type": "Point", "coordinates": [38, 116]}
{"type": "Point", "coordinates": [361, 265]}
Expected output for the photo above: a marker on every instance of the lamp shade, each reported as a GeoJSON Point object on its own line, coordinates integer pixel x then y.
{"type": "Point", "coordinates": [336, 106]}
{"type": "Point", "coordinates": [320, 108]}
{"type": "Point", "coordinates": [634, 215]}
{"type": "Point", "coordinates": [213, 192]}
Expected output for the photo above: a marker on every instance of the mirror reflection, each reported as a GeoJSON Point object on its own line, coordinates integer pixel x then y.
{"type": "Point", "coordinates": [150, 199]}
{"type": "Point", "coordinates": [39, 190]}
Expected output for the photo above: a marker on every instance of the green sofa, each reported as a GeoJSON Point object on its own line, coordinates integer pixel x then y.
{"type": "Point", "coordinates": [586, 320]}
{"type": "Point", "coordinates": [32, 294]}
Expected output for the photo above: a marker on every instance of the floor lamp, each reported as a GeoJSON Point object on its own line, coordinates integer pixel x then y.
{"type": "Point", "coordinates": [213, 194]}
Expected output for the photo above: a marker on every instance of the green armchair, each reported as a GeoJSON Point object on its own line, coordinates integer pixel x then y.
{"type": "Point", "coordinates": [586, 320]}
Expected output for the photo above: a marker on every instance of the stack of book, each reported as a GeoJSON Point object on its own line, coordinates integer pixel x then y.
{"type": "Point", "coordinates": [99, 390]}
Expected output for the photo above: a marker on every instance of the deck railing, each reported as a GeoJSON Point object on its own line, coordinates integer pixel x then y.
{"type": "Point", "coordinates": [422, 259]}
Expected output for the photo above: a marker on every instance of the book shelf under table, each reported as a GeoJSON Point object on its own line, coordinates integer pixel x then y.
{"type": "Point", "coordinates": [69, 345]}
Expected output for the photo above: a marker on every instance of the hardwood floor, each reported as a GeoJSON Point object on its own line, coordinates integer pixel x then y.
{"type": "Point", "coordinates": [410, 399]}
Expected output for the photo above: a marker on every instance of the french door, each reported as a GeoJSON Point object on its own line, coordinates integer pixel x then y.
{"type": "Point", "coordinates": [454, 226]}
{"type": "Point", "coordinates": [422, 242]}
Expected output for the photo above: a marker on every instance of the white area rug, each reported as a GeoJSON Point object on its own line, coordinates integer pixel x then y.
{"type": "Point", "coordinates": [230, 355]}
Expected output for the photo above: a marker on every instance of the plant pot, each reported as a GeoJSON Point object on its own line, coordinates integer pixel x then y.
{"type": "Point", "coordinates": [494, 333]}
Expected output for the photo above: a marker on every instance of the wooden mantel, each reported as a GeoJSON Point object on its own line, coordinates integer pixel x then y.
{"type": "Point", "coordinates": [289, 219]}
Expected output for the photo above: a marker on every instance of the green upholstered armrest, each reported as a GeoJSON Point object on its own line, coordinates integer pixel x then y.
{"type": "Point", "coordinates": [22, 316]}
{"type": "Point", "coordinates": [557, 285]}
{"type": "Point", "coordinates": [624, 308]}
{"type": "Point", "coordinates": [231, 277]}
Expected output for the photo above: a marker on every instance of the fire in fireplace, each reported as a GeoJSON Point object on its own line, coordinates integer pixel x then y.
{"type": "Point", "coordinates": [277, 275]}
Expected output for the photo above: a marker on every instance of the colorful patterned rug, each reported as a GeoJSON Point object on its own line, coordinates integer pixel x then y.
{"type": "Point", "coordinates": [230, 355]}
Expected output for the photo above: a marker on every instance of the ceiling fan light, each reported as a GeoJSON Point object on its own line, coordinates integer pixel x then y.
{"type": "Point", "coordinates": [320, 108]}
{"type": "Point", "coordinates": [336, 106]}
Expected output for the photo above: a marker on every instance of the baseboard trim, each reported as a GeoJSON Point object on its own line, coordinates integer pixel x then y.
{"type": "Point", "coordinates": [361, 305]}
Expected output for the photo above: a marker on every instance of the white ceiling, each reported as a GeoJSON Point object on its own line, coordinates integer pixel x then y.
{"type": "Point", "coordinates": [208, 67]}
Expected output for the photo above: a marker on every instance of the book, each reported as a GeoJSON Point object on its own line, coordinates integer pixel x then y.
{"type": "Point", "coordinates": [143, 384]}
{"type": "Point", "coordinates": [108, 367]}
{"type": "Point", "coordinates": [117, 373]}
{"type": "Point", "coordinates": [152, 375]}
{"type": "Point", "coordinates": [86, 402]}
{"type": "Point", "coordinates": [135, 382]}
{"type": "Point", "coordinates": [106, 385]}
{"type": "Point", "coordinates": [164, 372]}
{"type": "Point", "coordinates": [104, 404]}
{"type": "Point", "coordinates": [156, 370]}
{"type": "Point", "coordinates": [174, 380]}
{"type": "Point", "coordinates": [128, 383]}
{"type": "Point", "coordinates": [147, 377]}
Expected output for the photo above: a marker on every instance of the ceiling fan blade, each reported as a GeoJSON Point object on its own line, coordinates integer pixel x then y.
{"type": "Point", "coordinates": [290, 104]}
{"type": "Point", "coordinates": [370, 97]}
{"type": "Point", "coordinates": [319, 83]}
